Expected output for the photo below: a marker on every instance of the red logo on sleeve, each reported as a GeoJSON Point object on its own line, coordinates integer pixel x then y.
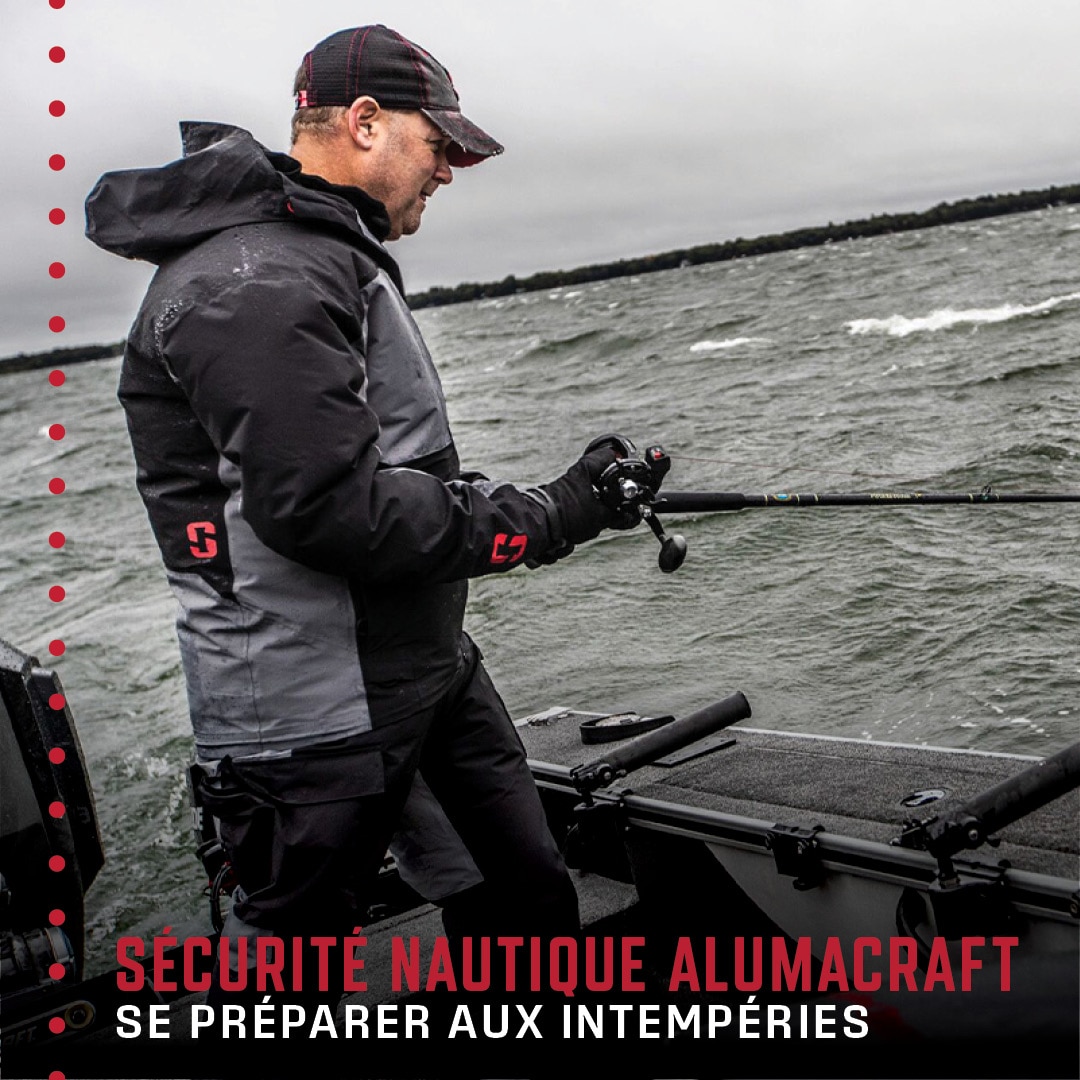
{"type": "Point", "coordinates": [201, 534]}
{"type": "Point", "coordinates": [508, 549]}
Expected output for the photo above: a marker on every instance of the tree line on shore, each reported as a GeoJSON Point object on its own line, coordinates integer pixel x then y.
{"type": "Point", "coordinates": [55, 357]}
{"type": "Point", "coordinates": [946, 213]}
{"type": "Point", "coordinates": [943, 214]}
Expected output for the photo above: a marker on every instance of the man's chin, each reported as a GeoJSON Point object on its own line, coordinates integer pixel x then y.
{"type": "Point", "coordinates": [406, 225]}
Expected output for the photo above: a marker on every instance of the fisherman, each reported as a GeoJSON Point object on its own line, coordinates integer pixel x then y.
{"type": "Point", "coordinates": [299, 474]}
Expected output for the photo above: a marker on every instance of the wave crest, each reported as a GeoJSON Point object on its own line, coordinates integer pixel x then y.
{"type": "Point", "coordinates": [947, 318]}
{"type": "Point", "coordinates": [727, 343]}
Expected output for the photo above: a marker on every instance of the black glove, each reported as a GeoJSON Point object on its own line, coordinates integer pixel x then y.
{"type": "Point", "coordinates": [575, 513]}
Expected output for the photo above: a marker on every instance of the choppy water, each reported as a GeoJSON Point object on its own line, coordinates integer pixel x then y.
{"type": "Point", "coordinates": [940, 360]}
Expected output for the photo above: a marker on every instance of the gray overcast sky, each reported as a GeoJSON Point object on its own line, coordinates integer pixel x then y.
{"type": "Point", "coordinates": [630, 127]}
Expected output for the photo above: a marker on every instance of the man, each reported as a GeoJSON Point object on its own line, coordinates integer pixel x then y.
{"type": "Point", "coordinates": [298, 470]}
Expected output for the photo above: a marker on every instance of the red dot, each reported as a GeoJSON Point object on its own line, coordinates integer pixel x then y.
{"type": "Point", "coordinates": [56, 1074]}
{"type": "Point", "coordinates": [56, 4]}
{"type": "Point", "coordinates": [56, 162]}
{"type": "Point", "coordinates": [57, 701]}
{"type": "Point", "coordinates": [57, 324]}
{"type": "Point", "coordinates": [57, 539]}
{"type": "Point", "coordinates": [56, 108]}
{"type": "Point", "coordinates": [57, 647]}
{"type": "Point", "coordinates": [56, 810]}
{"type": "Point", "coordinates": [57, 378]}
{"type": "Point", "coordinates": [57, 216]}
{"type": "Point", "coordinates": [57, 270]}
{"type": "Point", "coordinates": [56, 594]}
{"type": "Point", "coordinates": [57, 863]}
{"type": "Point", "coordinates": [57, 755]}
{"type": "Point", "coordinates": [56, 432]}
{"type": "Point", "coordinates": [57, 486]}
{"type": "Point", "coordinates": [56, 1025]}
{"type": "Point", "coordinates": [57, 971]}
{"type": "Point", "coordinates": [57, 917]}
{"type": "Point", "coordinates": [56, 54]}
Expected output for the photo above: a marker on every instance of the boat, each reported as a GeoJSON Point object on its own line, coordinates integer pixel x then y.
{"type": "Point", "coordinates": [50, 852]}
{"type": "Point", "coordinates": [841, 846]}
{"type": "Point", "coordinates": [764, 887]}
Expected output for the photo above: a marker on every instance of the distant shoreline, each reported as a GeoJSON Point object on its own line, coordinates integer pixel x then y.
{"type": "Point", "coordinates": [76, 354]}
{"type": "Point", "coordinates": [985, 206]}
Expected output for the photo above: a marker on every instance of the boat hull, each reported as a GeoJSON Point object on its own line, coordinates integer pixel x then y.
{"type": "Point", "coordinates": [988, 954]}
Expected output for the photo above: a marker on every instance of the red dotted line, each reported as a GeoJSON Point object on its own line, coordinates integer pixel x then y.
{"type": "Point", "coordinates": [57, 593]}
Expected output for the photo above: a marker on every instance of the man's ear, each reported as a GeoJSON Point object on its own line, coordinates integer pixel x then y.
{"type": "Point", "coordinates": [364, 113]}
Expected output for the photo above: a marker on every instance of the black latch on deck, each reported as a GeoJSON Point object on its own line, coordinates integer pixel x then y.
{"type": "Point", "coordinates": [795, 849]}
{"type": "Point", "coordinates": [594, 842]}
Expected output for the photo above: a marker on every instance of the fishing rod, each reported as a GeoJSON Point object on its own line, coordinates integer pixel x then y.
{"type": "Point", "coordinates": [630, 487]}
{"type": "Point", "coordinates": [697, 502]}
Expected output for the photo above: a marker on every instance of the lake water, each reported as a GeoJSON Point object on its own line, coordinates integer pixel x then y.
{"type": "Point", "coordinates": [944, 360]}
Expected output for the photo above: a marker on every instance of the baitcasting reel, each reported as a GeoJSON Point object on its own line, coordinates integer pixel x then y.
{"type": "Point", "coordinates": [629, 486]}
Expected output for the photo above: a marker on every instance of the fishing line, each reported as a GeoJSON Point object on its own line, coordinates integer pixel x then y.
{"type": "Point", "coordinates": [789, 468]}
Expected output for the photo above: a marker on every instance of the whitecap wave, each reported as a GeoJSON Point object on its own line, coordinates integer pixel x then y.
{"type": "Point", "coordinates": [728, 343]}
{"type": "Point", "coordinates": [946, 318]}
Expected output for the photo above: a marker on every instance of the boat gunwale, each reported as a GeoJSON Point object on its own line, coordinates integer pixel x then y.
{"type": "Point", "coordinates": [869, 859]}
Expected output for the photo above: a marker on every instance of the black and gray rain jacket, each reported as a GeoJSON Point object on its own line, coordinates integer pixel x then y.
{"type": "Point", "coordinates": [293, 451]}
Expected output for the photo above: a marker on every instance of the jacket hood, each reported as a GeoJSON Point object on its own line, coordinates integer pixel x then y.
{"type": "Point", "coordinates": [224, 179]}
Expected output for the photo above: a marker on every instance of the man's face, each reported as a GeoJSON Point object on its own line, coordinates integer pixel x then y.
{"type": "Point", "coordinates": [411, 166]}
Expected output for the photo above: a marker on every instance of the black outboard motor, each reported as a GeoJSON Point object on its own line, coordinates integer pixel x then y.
{"type": "Point", "coordinates": [50, 845]}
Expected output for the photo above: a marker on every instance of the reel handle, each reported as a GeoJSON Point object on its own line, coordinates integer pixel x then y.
{"type": "Point", "coordinates": [672, 548]}
{"type": "Point", "coordinates": [629, 486]}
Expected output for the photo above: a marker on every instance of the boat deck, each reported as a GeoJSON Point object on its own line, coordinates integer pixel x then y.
{"type": "Point", "coordinates": [854, 787]}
